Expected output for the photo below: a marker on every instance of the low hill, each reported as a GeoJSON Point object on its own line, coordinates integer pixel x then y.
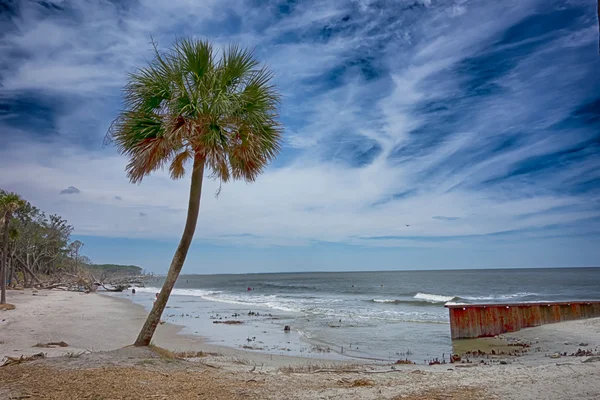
{"type": "Point", "coordinates": [114, 269]}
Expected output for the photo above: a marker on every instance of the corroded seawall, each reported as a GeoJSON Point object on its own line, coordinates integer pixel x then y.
{"type": "Point", "coordinates": [484, 320]}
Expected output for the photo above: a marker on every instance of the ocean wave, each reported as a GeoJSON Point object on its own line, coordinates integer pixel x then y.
{"type": "Point", "coordinates": [323, 307]}
{"type": "Point", "coordinates": [221, 297]}
{"type": "Point", "coordinates": [500, 297]}
{"type": "Point", "coordinates": [418, 299]}
{"type": "Point", "coordinates": [180, 292]}
{"type": "Point", "coordinates": [434, 298]}
{"type": "Point", "coordinates": [282, 285]}
{"type": "Point", "coordinates": [410, 302]}
{"type": "Point", "coordinates": [385, 301]}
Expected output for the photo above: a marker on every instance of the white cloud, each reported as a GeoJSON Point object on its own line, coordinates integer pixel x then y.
{"type": "Point", "coordinates": [311, 197]}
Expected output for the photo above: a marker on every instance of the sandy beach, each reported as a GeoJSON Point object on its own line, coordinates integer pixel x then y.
{"type": "Point", "coordinates": [98, 364]}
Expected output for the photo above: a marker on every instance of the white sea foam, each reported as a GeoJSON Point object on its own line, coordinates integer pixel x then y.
{"type": "Point", "coordinates": [180, 292]}
{"type": "Point", "coordinates": [433, 298]}
{"type": "Point", "coordinates": [384, 301]}
{"type": "Point", "coordinates": [330, 307]}
{"type": "Point", "coordinates": [500, 296]}
{"type": "Point", "coordinates": [436, 298]}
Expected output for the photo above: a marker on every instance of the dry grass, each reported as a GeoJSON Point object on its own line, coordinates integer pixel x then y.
{"type": "Point", "coordinates": [362, 382]}
{"type": "Point", "coordinates": [72, 354]}
{"type": "Point", "coordinates": [163, 353]}
{"type": "Point", "coordinates": [42, 382]}
{"type": "Point", "coordinates": [452, 393]}
{"type": "Point", "coordinates": [178, 355]}
{"type": "Point", "coordinates": [159, 378]}
{"type": "Point", "coordinates": [50, 345]}
{"type": "Point", "coordinates": [240, 361]}
{"type": "Point", "coordinates": [310, 368]}
{"type": "Point", "coordinates": [7, 307]}
{"type": "Point", "coordinates": [182, 355]}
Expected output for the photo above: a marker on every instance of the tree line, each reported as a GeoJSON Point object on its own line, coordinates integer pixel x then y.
{"type": "Point", "coordinates": [35, 245]}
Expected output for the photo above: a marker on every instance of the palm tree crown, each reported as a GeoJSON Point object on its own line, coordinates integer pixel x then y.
{"type": "Point", "coordinates": [10, 203]}
{"type": "Point", "coordinates": [189, 104]}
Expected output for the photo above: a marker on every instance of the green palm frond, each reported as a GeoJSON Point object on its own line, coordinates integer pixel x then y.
{"type": "Point", "coordinates": [188, 103]}
{"type": "Point", "coordinates": [10, 203]}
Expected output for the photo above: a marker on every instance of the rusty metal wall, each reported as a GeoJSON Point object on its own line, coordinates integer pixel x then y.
{"type": "Point", "coordinates": [484, 320]}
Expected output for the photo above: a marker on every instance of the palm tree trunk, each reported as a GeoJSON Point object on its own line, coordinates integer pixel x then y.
{"type": "Point", "coordinates": [11, 272]}
{"type": "Point", "coordinates": [4, 258]}
{"type": "Point", "coordinates": [153, 319]}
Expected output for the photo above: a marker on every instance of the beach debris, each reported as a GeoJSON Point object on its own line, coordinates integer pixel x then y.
{"type": "Point", "coordinates": [50, 345]}
{"type": "Point", "coordinates": [404, 362]}
{"type": "Point", "coordinates": [517, 352]}
{"type": "Point", "coordinates": [319, 349]}
{"type": "Point", "coordinates": [582, 353]}
{"type": "Point", "coordinates": [361, 382]}
{"type": "Point", "coordinates": [230, 322]}
{"type": "Point", "coordinates": [7, 306]}
{"type": "Point", "coordinates": [23, 358]}
{"type": "Point", "coordinates": [555, 355]}
{"type": "Point", "coordinates": [246, 347]}
{"type": "Point", "coordinates": [583, 344]}
{"type": "Point", "coordinates": [287, 328]}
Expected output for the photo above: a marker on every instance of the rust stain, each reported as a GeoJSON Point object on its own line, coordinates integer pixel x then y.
{"type": "Point", "coordinates": [484, 320]}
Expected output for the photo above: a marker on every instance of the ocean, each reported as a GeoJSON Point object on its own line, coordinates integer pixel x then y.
{"type": "Point", "coordinates": [343, 315]}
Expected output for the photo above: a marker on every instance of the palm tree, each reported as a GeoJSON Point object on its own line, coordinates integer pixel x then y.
{"type": "Point", "coordinates": [9, 204]}
{"type": "Point", "coordinates": [189, 105]}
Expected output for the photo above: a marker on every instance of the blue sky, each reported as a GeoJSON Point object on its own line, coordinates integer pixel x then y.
{"type": "Point", "coordinates": [477, 123]}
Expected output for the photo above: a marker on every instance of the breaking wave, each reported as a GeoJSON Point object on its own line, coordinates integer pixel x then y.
{"type": "Point", "coordinates": [434, 298]}
{"type": "Point", "coordinates": [424, 299]}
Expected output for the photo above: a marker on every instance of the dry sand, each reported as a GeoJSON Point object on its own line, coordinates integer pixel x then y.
{"type": "Point", "coordinates": [102, 326]}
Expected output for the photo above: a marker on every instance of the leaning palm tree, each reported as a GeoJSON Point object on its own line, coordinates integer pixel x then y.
{"type": "Point", "coordinates": [192, 106]}
{"type": "Point", "coordinates": [9, 204]}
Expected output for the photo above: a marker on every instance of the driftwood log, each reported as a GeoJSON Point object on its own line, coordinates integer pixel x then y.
{"type": "Point", "coordinates": [19, 360]}
{"type": "Point", "coordinates": [118, 288]}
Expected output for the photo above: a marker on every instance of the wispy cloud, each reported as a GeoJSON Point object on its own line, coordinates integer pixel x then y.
{"type": "Point", "coordinates": [462, 119]}
{"type": "Point", "coordinates": [443, 218]}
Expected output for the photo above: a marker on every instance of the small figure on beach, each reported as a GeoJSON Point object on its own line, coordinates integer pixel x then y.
{"type": "Point", "coordinates": [156, 297]}
{"type": "Point", "coordinates": [249, 288]}
{"type": "Point", "coordinates": [132, 290]}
